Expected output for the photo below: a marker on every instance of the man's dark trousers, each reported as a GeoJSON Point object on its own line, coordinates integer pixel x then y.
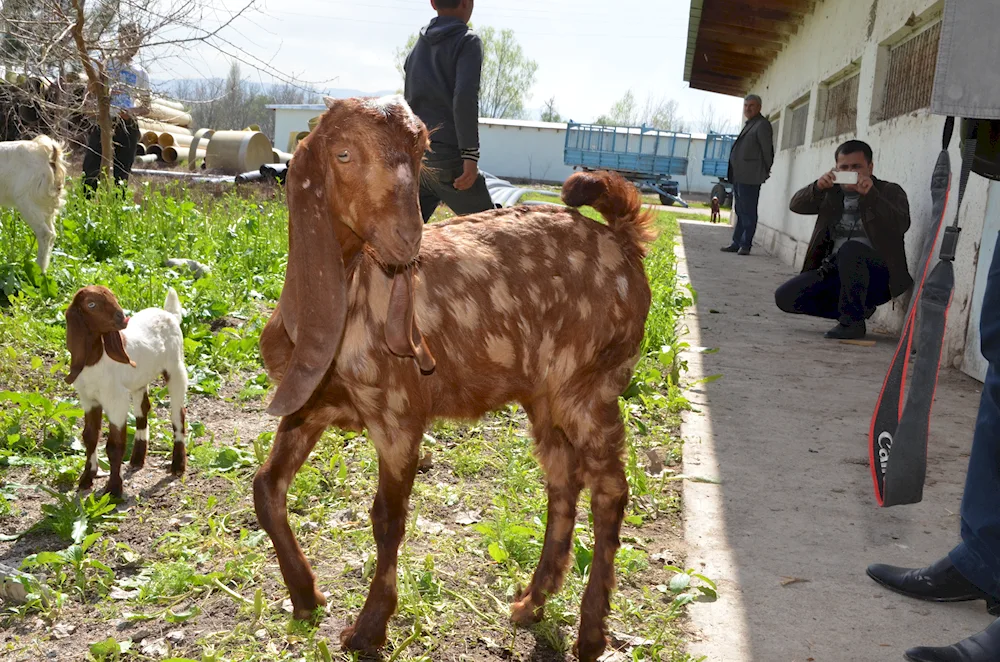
{"type": "Point", "coordinates": [747, 197]}
{"type": "Point", "coordinates": [855, 283]}
{"type": "Point", "coordinates": [124, 141]}
{"type": "Point", "coordinates": [977, 557]}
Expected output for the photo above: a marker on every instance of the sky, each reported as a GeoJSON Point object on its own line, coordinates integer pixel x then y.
{"type": "Point", "coordinates": [589, 52]}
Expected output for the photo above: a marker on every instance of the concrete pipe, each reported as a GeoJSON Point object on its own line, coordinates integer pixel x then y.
{"type": "Point", "coordinates": [169, 103]}
{"type": "Point", "coordinates": [149, 138]}
{"type": "Point", "coordinates": [145, 159]}
{"type": "Point", "coordinates": [281, 157]}
{"type": "Point", "coordinates": [155, 150]}
{"type": "Point", "coordinates": [178, 140]}
{"type": "Point", "coordinates": [237, 151]}
{"type": "Point", "coordinates": [146, 124]}
{"type": "Point", "coordinates": [169, 115]}
{"type": "Point", "coordinates": [179, 154]}
{"type": "Point", "coordinates": [140, 150]}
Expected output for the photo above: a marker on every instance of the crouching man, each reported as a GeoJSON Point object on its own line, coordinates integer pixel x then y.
{"type": "Point", "coordinates": [856, 259]}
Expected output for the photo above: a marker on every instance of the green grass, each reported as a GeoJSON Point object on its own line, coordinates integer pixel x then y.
{"type": "Point", "coordinates": [190, 557]}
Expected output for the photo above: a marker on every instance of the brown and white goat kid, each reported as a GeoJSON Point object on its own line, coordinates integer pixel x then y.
{"type": "Point", "coordinates": [385, 325]}
{"type": "Point", "coordinates": [32, 178]}
{"type": "Point", "coordinates": [113, 360]}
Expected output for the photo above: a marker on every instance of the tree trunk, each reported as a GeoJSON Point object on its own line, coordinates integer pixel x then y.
{"type": "Point", "coordinates": [105, 121]}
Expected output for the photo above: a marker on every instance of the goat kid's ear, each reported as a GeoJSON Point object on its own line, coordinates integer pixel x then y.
{"type": "Point", "coordinates": [330, 101]}
{"type": "Point", "coordinates": [114, 346]}
{"type": "Point", "coordinates": [78, 341]}
{"type": "Point", "coordinates": [313, 299]}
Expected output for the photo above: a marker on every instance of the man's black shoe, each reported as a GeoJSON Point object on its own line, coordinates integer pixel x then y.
{"type": "Point", "coordinates": [853, 331]}
{"type": "Point", "coordinates": [743, 251]}
{"type": "Point", "coordinates": [939, 582]}
{"type": "Point", "coordinates": [980, 647]}
{"type": "Point", "coordinates": [730, 249]}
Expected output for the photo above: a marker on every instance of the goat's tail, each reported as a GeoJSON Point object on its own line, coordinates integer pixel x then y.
{"type": "Point", "coordinates": [57, 162]}
{"type": "Point", "coordinates": [619, 203]}
{"type": "Point", "coordinates": [173, 304]}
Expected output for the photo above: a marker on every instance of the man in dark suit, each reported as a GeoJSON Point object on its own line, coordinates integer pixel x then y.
{"type": "Point", "coordinates": [856, 259]}
{"type": "Point", "coordinates": [749, 166]}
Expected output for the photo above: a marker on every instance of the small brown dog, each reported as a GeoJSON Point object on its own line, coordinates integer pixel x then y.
{"type": "Point", "coordinates": [716, 218]}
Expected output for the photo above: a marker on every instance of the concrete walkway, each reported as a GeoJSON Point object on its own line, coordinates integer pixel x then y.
{"type": "Point", "coordinates": [792, 524]}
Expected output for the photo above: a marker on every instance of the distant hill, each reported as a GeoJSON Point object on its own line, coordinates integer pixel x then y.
{"type": "Point", "coordinates": [168, 87]}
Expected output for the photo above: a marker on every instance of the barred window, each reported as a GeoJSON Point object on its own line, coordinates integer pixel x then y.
{"type": "Point", "coordinates": [840, 112]}
{"type": "Point", "coordinates": [797, 118]}
{"type": "Point", "coordinates": [910, 77]}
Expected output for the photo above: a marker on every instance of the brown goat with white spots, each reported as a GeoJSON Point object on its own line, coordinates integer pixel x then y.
{"type": "Point", "coordinates": [385, 325]}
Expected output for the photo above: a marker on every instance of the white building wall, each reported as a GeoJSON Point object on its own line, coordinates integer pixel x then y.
{"type": "Point", "coordinates": [905, 148]}
{"type": "Point", "coordinates": [293, 120]}
{"type": "Point", "coordinates": [523, 150]}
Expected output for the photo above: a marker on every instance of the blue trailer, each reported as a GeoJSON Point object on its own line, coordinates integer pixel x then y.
{"type": "Point", "coordinates": [647, 157]}
{"type": "Point", "coordinates": [716, 164]}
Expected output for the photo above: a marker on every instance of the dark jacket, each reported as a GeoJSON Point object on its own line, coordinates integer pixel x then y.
{"type": "Point", "coordinates": [442, 82]}
{"type": "Point", "coordinates": [885, 214]}
{"type": "Point", "coordinates": [753, 152]}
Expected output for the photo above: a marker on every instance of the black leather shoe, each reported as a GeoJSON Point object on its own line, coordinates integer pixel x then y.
{"type": "Point", "coordinates": [939, 582]}
{"type": "Point", "coordinates": [981, 647]}
{"type": "Point", "coordinates": [853, 331]}
{"type": "Point", "coordinates": [730, 249]}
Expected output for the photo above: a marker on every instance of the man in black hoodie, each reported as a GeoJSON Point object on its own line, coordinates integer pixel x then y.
{"type": "Point", "coordinates": [442, 88]}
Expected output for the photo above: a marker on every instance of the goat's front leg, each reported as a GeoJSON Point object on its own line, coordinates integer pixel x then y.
{"type": "Point", "coordinates": [116, 453]}
{"type": "Point", "coordinates": [297, 434]}
{"type": "Point", "coordinates": [397, 467]}
{"type": "Point", "coordinates": [91, 437]}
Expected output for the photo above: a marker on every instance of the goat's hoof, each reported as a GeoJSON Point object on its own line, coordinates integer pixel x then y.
{"type": "Point", "coordinates": [589, 648]}
{"type": "Point", "coordinates": [307, 610]}
{"type": "Point", "coordinates": [115, 492]}
{"type": "Point", "coordinates": [525, 612]}
{"type": "Point", "coordinates": [136, 465]}
{"type": "Point", "coordinates": [86, 481]}
{"type": "Point", "coordinates": [364, 639]}
{"type": "Point", "coordinates": [178, 462]}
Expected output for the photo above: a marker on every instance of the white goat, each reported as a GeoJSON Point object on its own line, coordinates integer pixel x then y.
{"type": "Point", "coordinates": [32, 177]}
{"type": "Point", "coordinates": [114, 358]}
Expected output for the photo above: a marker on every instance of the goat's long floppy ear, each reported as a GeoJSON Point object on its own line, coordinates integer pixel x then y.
{"type": "Point", "coordinates": [114, 347]}
{"type": "Point", "coordinates": [78, 341]}
{"type": "Point", "coordinates": [314, 298]}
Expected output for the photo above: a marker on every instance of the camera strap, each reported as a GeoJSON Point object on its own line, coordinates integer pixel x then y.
{"type": "Point", "coordinates": [898, 433]}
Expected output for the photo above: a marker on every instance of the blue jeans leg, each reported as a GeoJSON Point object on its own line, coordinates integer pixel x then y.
{"type": "Point", "coordinates": [747, 197]}
{"type": "Point", "coordinates": [977, 557]}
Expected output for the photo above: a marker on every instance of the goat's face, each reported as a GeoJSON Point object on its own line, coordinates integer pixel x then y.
{"type": "Point", "coordinates": [355, 177]}
{"type": "Point", "coordinates": [94, 322]}
{"type": "Point", "coordinates": [373, 150]}
{"type": "Point", "coordinates": [99, 309]}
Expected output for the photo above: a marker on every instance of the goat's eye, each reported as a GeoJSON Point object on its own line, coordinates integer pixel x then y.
{"type": "Point", "coordinates": [344, 156]}
{"type": "Point", "coordinates": [91, 305]}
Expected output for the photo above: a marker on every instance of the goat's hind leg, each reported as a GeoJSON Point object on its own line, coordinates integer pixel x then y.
{"type": "Point", "coordinates": [397, 467]}
{"type": "Point", "coordinates": [605, 475]}
{"type": "Point", "coordinates": [140, 443]}
{"type": "Point", "coordinates": [91, 437]}
{"type": "Point", "coordinates": [45, 234]}
{"type": "Point", "coordinates": [563, 483]}
{"type": "Point", "coordinates": [177, 388]}
{"type": "Point", "coordinates": [297, 434]}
